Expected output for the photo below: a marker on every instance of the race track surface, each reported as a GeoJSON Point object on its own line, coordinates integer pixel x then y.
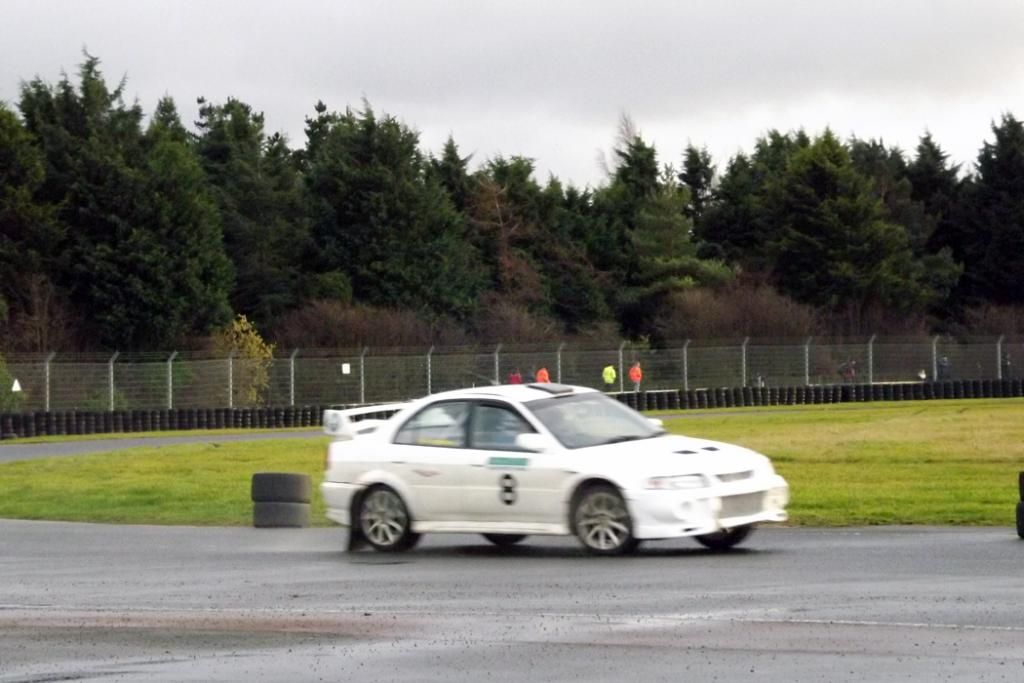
{"type": "Point", "coordinates": [113, 603]}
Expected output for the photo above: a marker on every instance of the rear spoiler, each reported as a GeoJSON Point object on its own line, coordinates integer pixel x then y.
{"type": "Point", "coordinates": [348, 423]}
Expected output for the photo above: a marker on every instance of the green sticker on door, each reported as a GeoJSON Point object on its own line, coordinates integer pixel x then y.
{"type": "Point", "coordinates": [505, 461]}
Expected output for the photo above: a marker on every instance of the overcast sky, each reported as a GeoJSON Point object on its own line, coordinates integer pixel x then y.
{"type": "Point", "coordinates": [549, 79]}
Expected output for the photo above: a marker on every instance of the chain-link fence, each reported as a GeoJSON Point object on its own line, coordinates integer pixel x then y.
{"type": "Point", "coordinates": [63, 381]}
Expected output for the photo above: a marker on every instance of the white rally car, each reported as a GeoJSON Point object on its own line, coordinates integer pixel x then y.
{"type": "Point", "coordinates": [511, 461]}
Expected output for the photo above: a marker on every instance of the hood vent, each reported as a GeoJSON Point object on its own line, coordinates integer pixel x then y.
{"type": "Point", "coordinates": [687, 452]}
{"type": "Point", "coordinates": [710, 448]}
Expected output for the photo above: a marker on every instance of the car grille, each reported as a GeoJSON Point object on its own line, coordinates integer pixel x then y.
{"type": "Point", "coordinates": [742, 505]}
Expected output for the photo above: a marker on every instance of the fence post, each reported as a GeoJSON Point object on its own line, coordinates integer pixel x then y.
{"type": "Point", "coordinates": [999, 357]}
{"type": "Point", "coordinates": [558, 362]}
{"type": "Point", "coordinates": [110, 372]}
{"type": "Point", "coordinates": [46, 375]}
{"type": "Point", "coordinates": [686, 365]}
{"type": "Point", "coordinates": [935, 359]}
{"type": "Point", "coordinates": [291, 377]}
{"type": "Point", "coordinates": [497, 365]}
{"type": "Point", "coordinates": [871, 359]}
{"type": "Point", "coordinates": [743, 360]}
{"type": "Point", "coordinates": [430, 352]}
{"type": "Point", "coordinates": [170, 381]}
{"type": "Point", "coordinates": [231, 379]}
{"type": "Point", "coordinates": [362, 375]}
{"type": "Point", "coordinates": [807, 362]}
{"type": "Point", "coordinates": [621, 383]}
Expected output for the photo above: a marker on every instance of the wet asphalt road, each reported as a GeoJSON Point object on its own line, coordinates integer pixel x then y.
{"type": "Point", "coordinates": [109, 603]}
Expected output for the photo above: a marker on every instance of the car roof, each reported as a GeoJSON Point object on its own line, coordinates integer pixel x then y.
{"type": "Point", "coordinates": [523, 393]}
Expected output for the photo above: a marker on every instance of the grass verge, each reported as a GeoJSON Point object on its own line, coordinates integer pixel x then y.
{"type": "Point", "coordinates": [927, 462]}
{"type": "Point", "coordinates": [939, 462]}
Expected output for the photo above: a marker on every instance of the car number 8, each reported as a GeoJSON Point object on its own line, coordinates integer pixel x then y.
{"type": "Point", "coordinates": [508, 493]}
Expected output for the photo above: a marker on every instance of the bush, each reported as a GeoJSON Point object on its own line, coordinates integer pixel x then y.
{"type": "Point", "coordinates": [741, 309]}
{"type": "Point", "coordinates": [334, 325]}
{"type": "Point", "coordinates": [252, 374]}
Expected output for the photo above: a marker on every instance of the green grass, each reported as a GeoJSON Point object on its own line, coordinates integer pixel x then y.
{"type": "Point", "coordinates": [939, 462]}
{"type": "Point", "coordinates": [190, 484]}
{"type": "Point", "coordinates": [935, 462]}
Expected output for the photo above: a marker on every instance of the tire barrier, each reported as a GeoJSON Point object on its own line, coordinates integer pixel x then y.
{"type": "Point", "coordinates": [78, 422]}
{"type": "Point", "coordinates": [280, 499]}
{"type": "Point", "coordinates": [1020, 505]}
{"type": "Point", "coordinates": [280, 515]}
{"type": "Point", "coordinates": [281, 487]}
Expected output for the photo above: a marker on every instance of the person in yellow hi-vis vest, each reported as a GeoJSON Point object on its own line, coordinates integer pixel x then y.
{"type": "Point", "coordinates": [608, 375]}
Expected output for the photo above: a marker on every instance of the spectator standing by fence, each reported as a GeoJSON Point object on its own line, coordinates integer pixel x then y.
{"type": "Point", "coordinates": [609, 376]}
{"type": "Point", "coordinates": [636, 375]}
{"type": "Point", "coordinates": [542, 375]}
{"type": "Point", "coordinates": [515, 377]}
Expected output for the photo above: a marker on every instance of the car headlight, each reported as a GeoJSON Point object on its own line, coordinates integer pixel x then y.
{"type": "Point", "coordinates": [680, 482]}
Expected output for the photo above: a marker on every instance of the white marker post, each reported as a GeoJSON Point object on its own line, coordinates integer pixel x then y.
{"type": "Point", "coordinates": [16, 387]}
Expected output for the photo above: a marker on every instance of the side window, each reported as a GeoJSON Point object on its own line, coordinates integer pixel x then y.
{"type": "Point", "coordinates": [495, 428]}
{"type": "Point", "coordinates": [443, 424]}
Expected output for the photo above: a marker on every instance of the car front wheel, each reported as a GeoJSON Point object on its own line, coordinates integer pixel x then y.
{"type": "Point", "coordinates": [384, 520]}
{"type": "Point", "coordinates": [602, 522]}
{"type": "Point", "coordinates": [726, 538]}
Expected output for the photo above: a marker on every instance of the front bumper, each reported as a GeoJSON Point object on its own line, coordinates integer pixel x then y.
{"type": "Point", "coordinates": [672, 514]}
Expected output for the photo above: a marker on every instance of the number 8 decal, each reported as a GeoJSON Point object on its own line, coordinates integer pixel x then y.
{"type": "Point", "coordinates": [508, 493]}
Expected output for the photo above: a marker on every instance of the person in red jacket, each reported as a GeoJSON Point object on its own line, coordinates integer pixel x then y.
{"type": "Point", "coordinates": [542, 375]}
{"type": "Point", "coordinates": [636, 375]}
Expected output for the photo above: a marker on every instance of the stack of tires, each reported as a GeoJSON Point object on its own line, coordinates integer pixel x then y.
{"type": "Point", "coordinates": [280, 499]}
{"type": "Point", "coordinates": [1020, 506]}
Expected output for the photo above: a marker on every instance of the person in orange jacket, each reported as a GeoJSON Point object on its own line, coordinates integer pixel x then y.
{"type": "Point", "coordinates": [542, 375]}
{"type": "Point", "coordinates": [636, 375]}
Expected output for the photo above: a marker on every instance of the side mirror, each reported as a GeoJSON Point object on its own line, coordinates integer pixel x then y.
{"type": "Point", "coordinates": [538, 443]}
{"type": "Point", "coordinates": [656, 422]}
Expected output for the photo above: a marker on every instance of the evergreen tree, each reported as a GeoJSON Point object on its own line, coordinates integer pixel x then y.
{"type": "Point", "coordinates": [452, 172]}
{"type": "Point", "coordinates": [642, 214]}
{"type": "Point", "coordinates": [836, 250]}
{"type": "Point", "coordinates": [743, 219]}
{"type": "Point", "coordinates": [504, 220]}
{"type": "Point", "coordinates": [698, 175]}
{"type": "Point", "coordinates": [258, 191]}
{"type": "Point", "coordinates": [993, 215]}
{"type": "Point", "coordinates": [731, 221]}
{"type": "Point", "coordinates": [28, 231]}
{"type": "Point", "coordinates": [382, 222]}
{"type": "Point", "coordinates": [143, 255]}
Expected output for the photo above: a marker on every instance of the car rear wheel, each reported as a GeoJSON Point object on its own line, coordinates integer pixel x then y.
{"type": "Point", "coordinates": [504, 540]}
{"type": "Point", "coordinates": [384, 520]}
{"type": "Point", "coordinates": [602, 522]}
{"type": "Point", "coordinates": [1020, 519]}
{"type": "Point", "coordinates": [726, 538]}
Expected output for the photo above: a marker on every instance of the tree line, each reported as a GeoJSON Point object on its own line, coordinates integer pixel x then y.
{"type": "Point", "coordinates": [124, 231]}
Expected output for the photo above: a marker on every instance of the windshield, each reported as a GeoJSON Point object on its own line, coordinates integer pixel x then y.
{"type": "Point", "coordinates": [592, 419]}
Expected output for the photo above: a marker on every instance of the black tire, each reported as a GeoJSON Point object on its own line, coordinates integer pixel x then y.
{"type": "Point", "coordinates": [270, 515]}
{"type": "Point", "coordinates": [281, 487]}
{"type": "Point", "coordinates": [384, 520]}
{"type": "Point", "coordinates": [504, 540]}
{"type": "Point", "coordinates": [601, 521]}
{"type": "Point", "coordinates": [1020, 519]}
{"type": "Point", "coordinates": [1020, 485]}
{"type": "Point", "coordinates": [726, 538]}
